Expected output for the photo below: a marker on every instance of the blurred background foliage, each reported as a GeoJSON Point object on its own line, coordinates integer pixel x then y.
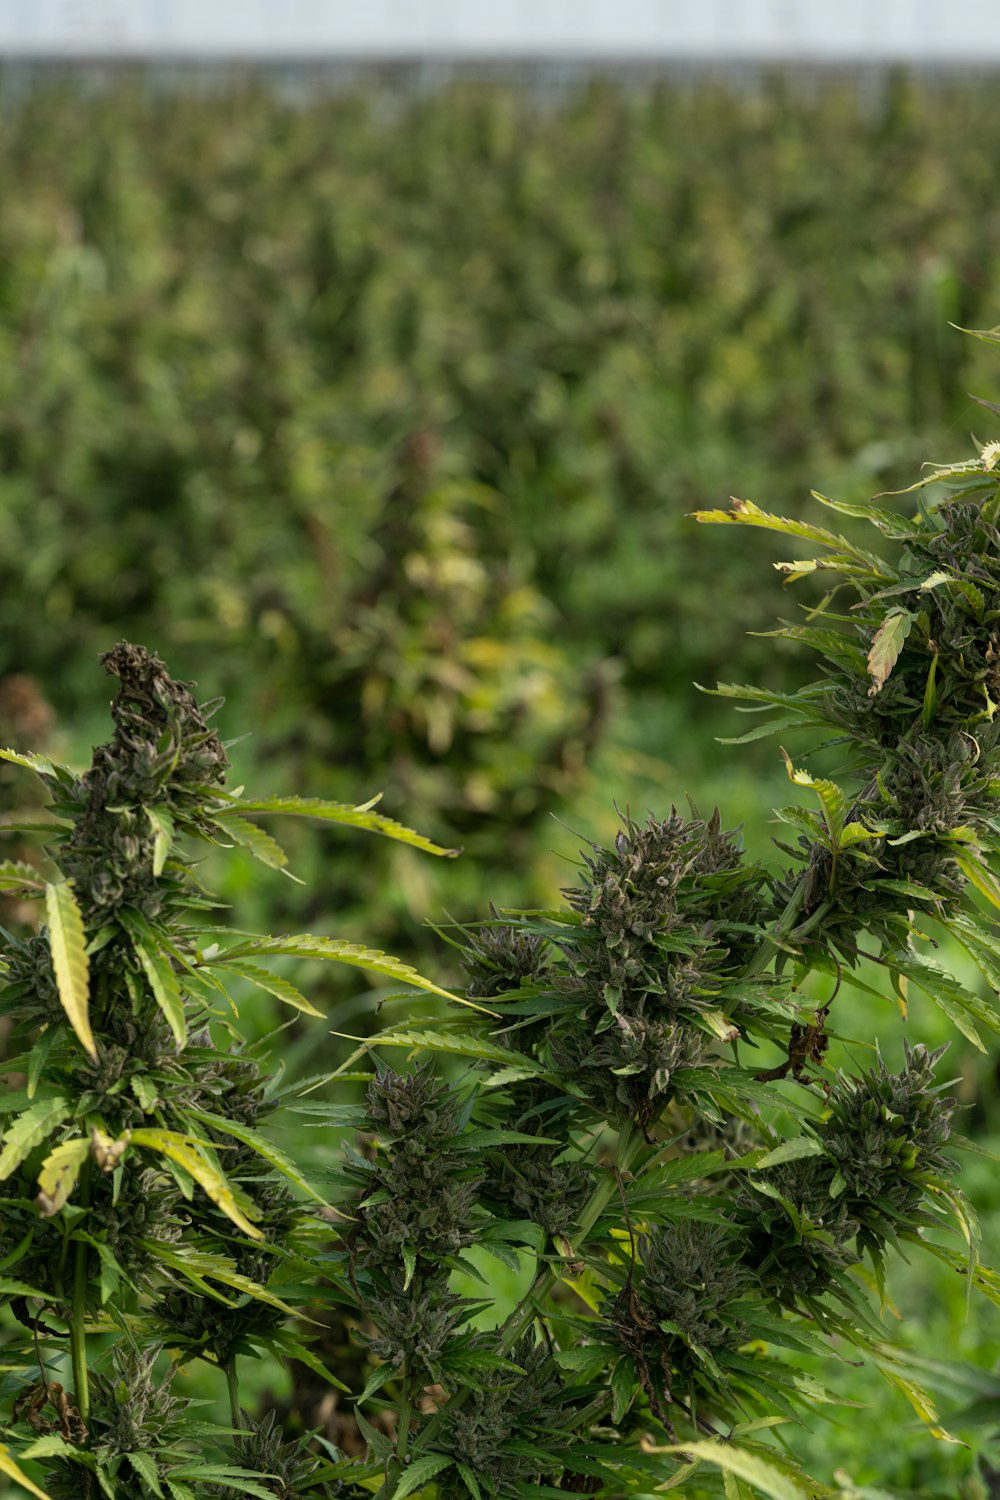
{"type": "Point", "coordinates": [382, 414]}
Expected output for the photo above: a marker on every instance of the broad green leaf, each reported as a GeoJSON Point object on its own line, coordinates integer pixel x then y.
{"type": "Point", "coordinates": [982, 878]}
{"type": "Point", "coordinates": [21, 1289]}
{"type": "Point", "coordinates": [40, 764]}
{"type": "Point", "coordinates": [469, 1480]}
{"type": "Point", "coordinates": [197, 1265]}
{"type": "Point", "coordinates": [12, 1471]}
{"type": "Point", "coordinates": [275, 985]}
{"type": "Point", "coordinates": [16, 875]}
{"type": "Point", "coordinates": [794, 1150]}
{"type": "Point", "coordinates": [68, 943]}
{"type": "Point", "coordinates": [243, 1481]}
{"type": "Point", "coordinates": [306, 945]}
{"type": "Point", "coordinates": [755, 1470]}
{"type": "Point", "coordinates": [260, 844]}
{"type": "Point", "coordinates": [145, 1467]}
{"type": "Point", "coordinates": [28, 1130]}
{"type": "Point", "coordinates": [259, 1143]}
{"type": "Point", "coordinates": [163, 982]}
{"type": "Point", "coordinates": [745, 513]}
{"type": "Point", "coordinates": [163, 836]}
{"type": "Point", "coordinates": [450, 1042]}
{"type": "Point", "coordinates": [337, 812]}
{"type": "Point", "coordinates": [886, 646]}
{"type": "Point", "coordinates": [59, 1173]}
{"type": "Point", "coordinates": [420, 1472]}
{"type": "Point", "coordinates": [833, 799]}
{"type": "Point", "coordinates": [185, 1152]}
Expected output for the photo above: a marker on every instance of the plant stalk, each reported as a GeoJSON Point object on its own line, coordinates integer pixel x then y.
{"type": "Point", "coordinates": [233, 1382]}
{"type": "Point", "coordinates": [78, 1317]}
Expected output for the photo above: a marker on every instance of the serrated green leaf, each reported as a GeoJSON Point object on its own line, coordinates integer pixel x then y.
{"type": "Point", "coordinates": [162, 825]}
{"type": "Point", "coordinates": [68, 944]}
{"type": "Point", "coordinates": [145, 1468]}
{"type": "Point", "coordinates": [271, 1153]}
{"type": "Point", "coordinates": [13, 1471]}
{"type": "Point", "coordinates": [244, 1481]}
{"type": "Point", "coordinates": [182, 1150]}
{"type": "Point", "coordinates": [469, 1480]}
{"type": "Point", "coordinates": [745, 513]}
{"type": "Point", "coordinates": [275, 985]}
{"type": "Point", "coordinates": [58, 1175]}
{"type": "Point", "coordinates": [337, 812]}
{"type": "Point", "coordinates": [450, 1042]}
{"type": "Point", "coordinates": [40, 764]}
{"type": "Point", "coordinates": [258, 843]}
{"type": "Point", "coordinates": [420, 1472]}
{"type": "Point", "coordinates": [624, 1387]}
{"type": "Point", "coordinates": [886, 646]}
{"type": "Point", "coordinates": [749, 1466]}
{"type": "Point", "coordinates": [306, 945]}
{"type": "Point", "coordinates": [794, 1150]}
{"type": "Point", "coordinates": [28, 1130]}
{"type": "Point", "coordinates": [17, 875]}
{"type": "Point", "coordinates": [163, 982]}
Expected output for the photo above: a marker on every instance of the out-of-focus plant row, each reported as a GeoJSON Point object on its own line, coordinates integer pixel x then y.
{"type": "Point", "coordinates": [393, 411]}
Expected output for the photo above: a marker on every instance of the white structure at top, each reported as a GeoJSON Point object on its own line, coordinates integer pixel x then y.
{"type": "Point", "coordinates": [919, 31]}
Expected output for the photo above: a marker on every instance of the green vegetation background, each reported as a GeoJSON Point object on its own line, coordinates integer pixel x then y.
{"type": "Point", "coordinates": [383, 414]}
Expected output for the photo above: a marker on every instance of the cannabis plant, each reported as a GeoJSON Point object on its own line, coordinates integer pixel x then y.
{"type": "Point", "coordinates": [146, 1218]}
{"type": "Point", "coordinates": [634, 1115]}
{"type": "Point", "coordinates": [639, 1117]}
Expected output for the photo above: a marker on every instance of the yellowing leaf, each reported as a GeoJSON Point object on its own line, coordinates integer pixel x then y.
{"type": "Point", "coordinates": [68, 943]}
{"type": "Point", "coordinates": [12, 1471]}
{"type": "Point", "coordinates": [886, 646]}
{"type": "Point", "coordinates": [756, 1471]}
{"type": "Point", "coordinates": [28, 1131]}
{"type": "Point", "coordinates": [183, 1150]}
{"type": "Point", "coordinates": [58, 1175]}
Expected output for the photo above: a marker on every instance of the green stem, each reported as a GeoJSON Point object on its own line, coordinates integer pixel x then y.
{"type": "Point", "coordinates": [233, 1382]}
{"type": "Point", "coordinates": [405, 1413]}
{"type": "Point", "coordinates": [78, 1316]}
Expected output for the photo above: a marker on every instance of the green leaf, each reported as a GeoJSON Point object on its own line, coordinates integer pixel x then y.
{"type": "Point", "coordinates": [271, 1153]}
{"type": "Point", "coordinates": [40, 764]}
{"type": "Point", "coordinates": [68, 944]}
{"type": "Point", "coordinates": [186, 1153]}
{"type": "Point", "coordinates": [458, 1045]}
{"type": "Point", "coordinates": [305, 945]}
{"type": "Point", "coordinates": [196, 1265]}
{"type": "Point", "coordinates": [794, 1150]}
{"type": "Point", "coordinates": [145, 1467]}
{"type": "Point", "coordinates": [260, 844]}
{"type": "Point", "coordinates": [885, 648]}
{"type": "Point", "coordinates": [745, 513]}
{"type": "Point", "coordinates": [245, 1481]}
{"type": "Point", "coordinates": [469, 1480]}
{"type": "Point", "coordinates": [16, 875]}
{"type": "Point", "coordinates": [623, 1388]}
{"type": "Point", "coordinates": [274, 985]}
{"type": "Point", "coordinates": [28, 1130]}
{"type": "Point", "coordinates": [756, 1471]}
{"type": "Point", "coordinates": [163, 982]}
{"type": "Point", "coordinates": [420, 1472]}
{"type": "Point", "coordinates": [59, 1173]}
{"type": "Point", "coordinates": [7, 1464]}
{"type": "Point", "coordinates": [163, 836]}
{"type": "Point", "coordinates": [337, 812]}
